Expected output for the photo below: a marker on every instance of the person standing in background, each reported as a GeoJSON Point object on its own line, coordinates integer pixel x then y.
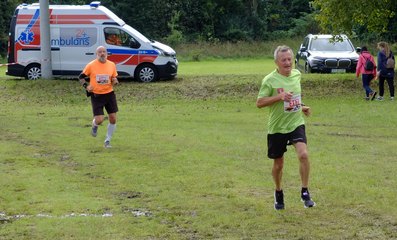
{"type": "Point", "coordinates": [385, 70]}
{"type": "Point", "coordinates": [367, 68]}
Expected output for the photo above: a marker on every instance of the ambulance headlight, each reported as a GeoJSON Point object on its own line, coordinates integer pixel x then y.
{"type": "Point", "coordinates": [162, 52]}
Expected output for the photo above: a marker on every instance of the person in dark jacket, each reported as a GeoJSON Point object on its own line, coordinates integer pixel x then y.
{"type": "Point", "coordinates": [385, 73]}
{"type": "Point", "coordinates": [367, 73]}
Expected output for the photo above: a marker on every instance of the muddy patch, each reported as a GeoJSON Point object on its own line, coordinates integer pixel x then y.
{"type": "Point", "coordinates": [129, 195]}
{"type": "Point", "coordinates": [339, 134]}
{"type": "Point", "coordinates": [5, 218]}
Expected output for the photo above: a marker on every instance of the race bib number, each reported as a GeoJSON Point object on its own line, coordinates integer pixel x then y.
{"type": "Point", "coordinates": [102, 79]}
{"type": "Point", "coordinates": [294, 105]}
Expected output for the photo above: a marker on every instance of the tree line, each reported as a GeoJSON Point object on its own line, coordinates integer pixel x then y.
{"type": "Point", "coordinates": [186, 21]}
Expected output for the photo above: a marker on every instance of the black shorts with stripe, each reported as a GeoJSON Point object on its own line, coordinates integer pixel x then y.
{"type": "Point", "coordinates": [277, 143]}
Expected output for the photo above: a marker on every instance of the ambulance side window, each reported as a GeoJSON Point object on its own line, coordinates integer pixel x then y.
{"type": "Point", "coordinates": [129, 41]}
{"type": "Point", "coordinates": [112, 36]}
{"type": "Point", "coordinates": [116, 36]}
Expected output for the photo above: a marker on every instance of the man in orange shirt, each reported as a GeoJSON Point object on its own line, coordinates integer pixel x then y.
{"type": "Point", "coordinates": [103, 76]}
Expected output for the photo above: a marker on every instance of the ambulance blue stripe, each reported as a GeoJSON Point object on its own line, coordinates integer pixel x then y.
{"type": "Point", "coordinates": [34, 19]}
{"type": "Point", "coordinates": [29, 27]}
{"type": "Point", "coordinates": [133, 51]}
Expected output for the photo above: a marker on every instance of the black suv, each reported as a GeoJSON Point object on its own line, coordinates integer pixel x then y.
{"type": "Point", "coordinates": [320, 53]}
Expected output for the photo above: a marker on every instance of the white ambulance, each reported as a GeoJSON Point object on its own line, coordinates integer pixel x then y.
{"type": "Point", "coordinates": [76, 32]}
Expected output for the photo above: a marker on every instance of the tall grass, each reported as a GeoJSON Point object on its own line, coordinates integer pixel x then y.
{"type": "Point", "coordinates": [207, 51]}
{"type": "Point", "coordinates": [253, 50]}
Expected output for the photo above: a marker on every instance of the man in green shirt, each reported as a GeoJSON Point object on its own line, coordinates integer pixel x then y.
{"type": "Point", "coordinates": [281, 92]}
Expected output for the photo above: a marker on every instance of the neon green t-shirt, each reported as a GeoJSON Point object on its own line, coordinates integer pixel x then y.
{"type": "Point", "coordinates": [284, 117]}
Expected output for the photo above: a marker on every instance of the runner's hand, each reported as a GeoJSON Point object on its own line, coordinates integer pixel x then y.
{"type": "Point", "coordinates": [286, 96]}
{"type": "Point", "coordinates": [89, 88]}
{"type": "Point", "coordinates": [115, 81]}
{"type": "Point", "coordinates": [306, 110]}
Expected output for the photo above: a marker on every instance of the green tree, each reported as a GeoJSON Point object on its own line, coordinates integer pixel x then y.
{"type": "Point", "coordinates": [337, 16]}
{"type": "Point", "coordinates": [149, 17]}
{"type": "Point", "coordinates": [288, 18]}
{"type": "Point", "coordinates": [196, 20]}
{"type": "Point", "coordinates": [7, 8]}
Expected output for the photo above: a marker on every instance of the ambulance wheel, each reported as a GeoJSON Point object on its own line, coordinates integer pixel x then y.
{"type": "Point", "coordinates": [33, 72]}
{"type": "Point", "coordinates": [146, 73]}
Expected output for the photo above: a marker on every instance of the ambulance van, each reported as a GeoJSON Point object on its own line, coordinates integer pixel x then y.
{"type": "Point", "coordinates": [76, 32]}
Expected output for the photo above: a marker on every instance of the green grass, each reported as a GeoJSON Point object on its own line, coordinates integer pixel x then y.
{"type": "Point", "coordinates": [189, 162]}
{"type": "Point", "coordinates": [227, 67]}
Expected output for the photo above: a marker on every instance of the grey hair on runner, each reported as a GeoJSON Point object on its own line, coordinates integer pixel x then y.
{"type": "Point", "coordinates": [282, 48]}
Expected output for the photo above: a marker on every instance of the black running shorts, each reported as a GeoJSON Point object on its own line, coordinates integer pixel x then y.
{"type": "Point", "coordinates": [277, 143]}
{"type": "Point", "coordinates": [107, 101]}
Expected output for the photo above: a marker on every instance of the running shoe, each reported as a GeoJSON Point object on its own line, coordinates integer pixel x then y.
{"type": "Point", "coordinates": [307, 201]}
{"type": "Point", "coordinates": [372, 95]}
{"type": "Point", "coordinates": [278, 200]}
{"type": "Point", "coordinates": [94, 131]}
{"type": "Point", "coordinates": [380, 98]}
{"type": "Point", "coordinates": [107, 145]}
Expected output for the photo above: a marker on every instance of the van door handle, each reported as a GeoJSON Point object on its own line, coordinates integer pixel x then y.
{"type": "Point", "coordinates": [89, 53]}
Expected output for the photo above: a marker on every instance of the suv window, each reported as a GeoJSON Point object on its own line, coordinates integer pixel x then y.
{"type": "Point", "coordinates": [306, 42]}
{"type": "Point", "coordinates": [324, 44]}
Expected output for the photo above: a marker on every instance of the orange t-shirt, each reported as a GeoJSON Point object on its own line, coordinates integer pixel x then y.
{"type": "Point", "coordinates": [101, 75]}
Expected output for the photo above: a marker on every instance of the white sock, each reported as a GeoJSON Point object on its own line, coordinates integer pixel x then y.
{"type": "Point", "coordinates": [109, 134]}
{"type": "Point", "coordinates": [94, 123]}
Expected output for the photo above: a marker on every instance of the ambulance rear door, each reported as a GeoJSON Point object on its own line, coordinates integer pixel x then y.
{"type": "Point", "coordinates": [55, 50]}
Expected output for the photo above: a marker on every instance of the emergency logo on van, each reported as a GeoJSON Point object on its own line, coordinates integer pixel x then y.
{"type": "Point", "coordinates": [75, 37]}
{"type": "Point", "coordinates": [26, 37]}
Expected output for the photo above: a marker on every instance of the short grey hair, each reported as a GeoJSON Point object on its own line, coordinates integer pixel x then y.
{"type": "Point", "coordinates": [282, 48]}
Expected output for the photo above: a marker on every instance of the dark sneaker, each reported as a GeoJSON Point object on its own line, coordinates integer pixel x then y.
{"type": "Point", "coordinates": [307, 201]}
{"type": "Point", "coordinates": [94, 131]}
{"type": "Point", "coordinates": [372, 95]}
{"type": "Point", "coordinates": [278, 200]}
{"type": "Point", "coordinates": [107, 145]}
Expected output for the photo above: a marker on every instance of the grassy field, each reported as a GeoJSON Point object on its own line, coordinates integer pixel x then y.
{"type": "Point", "coordinates": [189, 161]}
{"type": "Point", "coordinates": [222, 67]}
